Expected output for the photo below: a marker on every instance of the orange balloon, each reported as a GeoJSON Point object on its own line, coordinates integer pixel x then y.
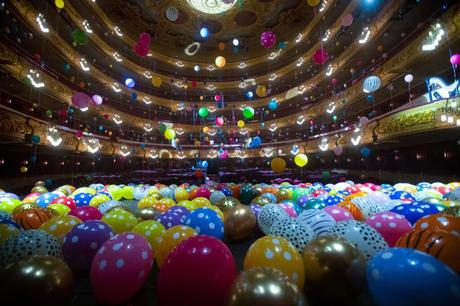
{"type": "Point", "coordinates": [221, 46]}
{"type": "Point", "coordinates": [235, 190]}
{"type": "Point", "coordinates": [437, 242]}
{"type": "Point", "coordinates": [448, 223]}
{"type": "Point", "coordinates": [353, 209]}
{"type": "Point", "coordinates": [33, 218]}
{"type": "Point", "coordinates": [170, 239]}
{"type": "Point", "coordinates": [60, 226]}
{"type": "Point", "coordinates": [193, 192]}
{"type": "Point", "coordinates": [278, 253]}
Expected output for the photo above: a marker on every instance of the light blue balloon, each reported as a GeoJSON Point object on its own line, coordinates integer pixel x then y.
{"type": "Point", "coordinates": [408, 277]}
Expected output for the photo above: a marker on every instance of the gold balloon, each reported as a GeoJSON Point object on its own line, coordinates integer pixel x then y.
{"type": "Point", "coordinates": [313, 2]}
{"type": "Point", "coordinates": [147, 213]}
{"type": "Point", "coordinates": [38, 280]}
{"type": "Point", "coordinates": [226, 203]}
{"type": "Point", "coordinates": [220, 61]}
{"type": "Point", "coordinates": [282, 194]}
{"type": "Point", "coordinates": [278, 164]}
{"type": "Point", "coordinates": [156, 81]}
{"type": "Point", "coordinates": [40, 183]}
{"type": "Point", "coordinates": [261, 201]}
{"type": "Point", "coordinates": [39, 189]}
{"type": "Point", "coordinates": [261, 91]}
{"type": "Point", "coordinates": [334, 269]}
{"type": "Point", "coordinates": [239, 222]}
{"type": "Point", "coordinates": [265, 286]}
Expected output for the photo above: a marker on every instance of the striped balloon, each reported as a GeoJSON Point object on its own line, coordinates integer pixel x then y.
{"type": "Point", "coordinates": [318, 220]}
{"type": "Point", "coordinates": [371, 84]}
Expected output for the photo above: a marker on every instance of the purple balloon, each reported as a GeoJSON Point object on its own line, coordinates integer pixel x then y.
{"type": "Point", "coordinates": [82, 243]}
{"type": "Point", "coordinates": [302, 201]}
{"type": "Point", "coordinates": [267, 39]}
{"type": "Point", "coordinates": [170, 219]}
{"type": "Point", "coordinates": [180, 210]}
{"type": "Point", "coordinates": [255, 209]}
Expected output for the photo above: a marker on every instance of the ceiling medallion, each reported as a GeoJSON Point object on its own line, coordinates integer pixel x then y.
{"type": "Point", "coordinates": [211, 6]}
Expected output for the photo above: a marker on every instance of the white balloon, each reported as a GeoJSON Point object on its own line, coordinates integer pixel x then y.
{"type": "Point", "coordinates": [371, 84]}
{"type": "Point", "coordinates": [408, 78]}
{"type": "Point", "coordinates": [172, 13]}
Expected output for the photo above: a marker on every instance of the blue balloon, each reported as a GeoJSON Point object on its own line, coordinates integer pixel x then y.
{"type": "Point", "coordinates": [142, 146]}
{"type": "Point", "coordinates": [332, 200]}
{"type": "Point", "coordinates": [370, 98]}
{"type": "Point", "coordinates": [82, 199]}
{"type": "Point", "coordinates": [227, 191]}
{"type": "Point", "coordinates": [269, 196]}
{"type": "Point", "coordinates": [66, 67]}
{"type": "Point", "coordinates": [365, 152]}
{"type": "Point", "coordinates": [402, 195]}
{"type": "Point", "coordinates": [133, 96]}
{"type": "Point", "coordinates": [249, 95]}
{"type": "Point", "coordinates": [204, 164]}
{"type": "Point", "coordinates": [45, 199]}
{"type": "Point", "coordinates": [206, 222]}
{"type": "Point", "coordinates": [273, 104]}
{"type": "Point", "coordinates": [35, 138]}
{"type": "Point", "coordinates": [414, 212]}
{"type": "Point", "coordinates": [256, 141]}
{"type": "Point", "coordinates": [409, 277]}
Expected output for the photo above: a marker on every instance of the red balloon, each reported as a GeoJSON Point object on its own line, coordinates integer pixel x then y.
{"type": "Point", "coordinates": [141, 49]}
{"type": "Point", "coordinates": [320, 56]}
{"type": "Point", "coordinates": [144, 38]}
{"type": "Point", "coordinates": [203, 192]}
{"type": "Point", "coordinates": [69, 202]}
{"type": "Point", "coordinates": [203, 268]}
{"type": "Point", "coordinates": [86, 213]}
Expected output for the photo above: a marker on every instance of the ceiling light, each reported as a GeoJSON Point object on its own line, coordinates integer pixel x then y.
{"type": "Point", "coordinates": [54, 137]}
{"type": "Point", "coordinates": [327, 35]}
{"type": "Point", "coordinates": [117, 119]}
{"type": "Point", "coordinates": [124, 151]}
{"type": "Point", "coordinates": [300, 62]}
{"type": "Point", "coordinates": [211, 67]}
{"type": "Point", "coordinates": [299, 38]}
{"type": "Point", "coordinates": [42, 23]}
{"type": "Point", "coordinates": [147, 74]}
{"type": "Point", "coordinates": [331, 108]}
{"type": "Point", "coordinates": [434, 38]}
{"type": "Point", "coordinates": [117, 57]}
{"type": "Point", "coordinates": [273, 127]}
{"type": "Point", "coordinates": [329, 70]}
{"type": "Point", "coordinates": [295, 149]}
{"type": "Point", "coordinates": [272, 77]}
{"type": "Point", "coordinates": [84, 64]}
{"type": "Point", "coordinates": [211, 87]}
{"type": "Point", "coordinates": [365, 34]}
{"type": "Point", "coordinates": [242, 65]}
{"type": "Point", "coordinates": [92, 144]}
{"type": "Point", "coordinates": [147, 100]}
{"type": "Point", "coordinates": [117, 31]}
{"type": "Point", "coordinates": [323, 145]}
{"type": "Point", "coordinates": [87, 27]}
{"type": "Point", "coordinates": [116, 87]}
{"type": "Point", "coordinates": [323, 6]}
{"type": "Point", "coordinates": [179, 64]}
{"type": "Point", "coordinates": [300, 120]}
{"type": "Point", "coordinates": [212, 6]}
{"type": "Point", "coordinates": [235, 42]}
{"type": "Point", "coordinates": [180, 131]}
{"type": "Point", "coordinates": [130, 83]}
{"type": "Point", "coordinates": [34, 78]}
{"type": "Point", "coordinates": [153, 154]}
{"type": "Point", "coordinates": [148, 127]}
{"type": "Point", "coordinates": [192, 48]}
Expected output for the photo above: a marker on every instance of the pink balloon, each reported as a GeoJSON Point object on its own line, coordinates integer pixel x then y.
{"type": "Point", "coordinates": [120, 268]}
{"type": "Point", "coordinates": [217, 98]}
{"type": "Point", "coordinates": [203, 268]}
{"type": "Point", "coordinates": [140, 49]}
{"type": "Point", "coordinates": [390, 225]}
{"type": "Point", "coordinates": [86, 213]}
{"type": "Point", "coordinates": [144, 39]}
{"type": "Point", "coordinates": [268, 39]}
{"type": "Point", "coordinates": [224, 155]}
{"type": "Point", "coordinates": [203, 192]}
{"type": "Point", "coordinates": [338, 213]}
{"type": "Point", "coordinates": [320, 56]}
{"type": "Point", "coordinates": [334, 81]}
{"type": "Point", "coordinates": [96, 99]}
{"type": "Point", "coordinates": [363, 121]}
{"type": "Point", "coordinates": [220, 121]}
{"type": "Point", "coordinates": [347, 20]}
{"type": "Point", "coordinates": [455, 59]}
{"type": "Point", "coordinates": [338, 151]}
{"type": "Point", "coordinates": [81, 100]}
{"type": "Point", "coordinates": [289, 209]}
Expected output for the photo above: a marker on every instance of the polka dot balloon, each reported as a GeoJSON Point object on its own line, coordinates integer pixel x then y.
{"type": "Point", "coordinates": [338, 213]}
{"type": "Point", "coordinates": [390, 225]}
{"type": "Point", "coordinates": [205, 222]}
{"type": "Point", "coordinates": [362, 236]}
{"type": "Point", "coordinates": [83, 199]}
{"type": "Point", "coordinates": [46, 198]}
{"type": "Point", "coordinates": [120, 220]}
{"type": "Point", "coordinates": [297, 233]}
{"type": "Point", "coordinates": [59, 226]}
{"type": "Point", "coordinates": [170, 239]}
{"type": "Point", "coordinates": [69, 202]}
{"type": "Point", "coordinates": [268, 215]}
{"type": "Point", "coordinates": [450, 224]}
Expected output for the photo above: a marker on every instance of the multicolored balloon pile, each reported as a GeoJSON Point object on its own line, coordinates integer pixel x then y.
{"type": "Point", "coordinates": [312, 242]}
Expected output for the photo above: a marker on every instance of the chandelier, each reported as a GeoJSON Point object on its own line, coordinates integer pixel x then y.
{"type": "Point", "coordinates": [212, 6]}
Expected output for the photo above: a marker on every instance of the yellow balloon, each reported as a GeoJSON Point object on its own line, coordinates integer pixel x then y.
{"type": "Point", "coordinates": [156, 81]}
{"type": "Point", "coordinates": [180, 194]}
{"type": "Point", "coordinates": [7, 230]}
{"type": "Point", "coordinates": [261, 91]}
{"type": "Point", "coordinates": [278, 253]}
{"type": "Point", "coordinates": [60, 226]}
{"type": "Point", "coordinates": [201, 202]}
{"type": "Point", "coordinates": [301, 160]}
{"type": "Point", "coordinates": [205, 129]}
{"type": "Point", "coordinates": [278, 164]}
{"type": "Point", "coordinates": [170, 134]}
{"type": "Point", "coordinates": [98, 200]}
{"type": "Point", "coordinates": [120, 220]}
{"type": "Point", "coordinates": [313, 2]}
{"type": "Point", "coordinates": [240, 124]}
{"type": "Point", "coordinates": [8, 205]}
{"type": "Point", "coordinates": [59, 4]}
{"type": "Point", "coordinates": [61, 209]}
{"type": "Point", "coordinates": [128, 192]}
{"type": "Point", "coordinates": [146, 202]}
{"type": "Point", "coordinates": [151, 230]}
{"type": "Point", "coordinates": [191, 206]}
{"type": "Point", "coordinates": [170, 239]}
{"type": "Point", "coordinates": [168, 202]}
{"type": "Point", "coordinates": [220, 61]}
{"type": "Point", "coordinates": [23, 169]}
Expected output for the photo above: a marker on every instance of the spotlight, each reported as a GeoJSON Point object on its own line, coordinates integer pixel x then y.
{"type": "Point", "coordinates": [236, 42]}
{"type": "Point", "coordinates": [130, 83]}
{"type": "Point", "coordinates": [204, 32]}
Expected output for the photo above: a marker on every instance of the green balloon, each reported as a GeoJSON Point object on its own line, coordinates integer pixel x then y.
{"type": "Point", "coordinates": [163, 127]}
{"type": "Point", "coordinates": [80, 37]}
{"type": "Point", "coordinates": [298, 192]}
{"type": "Point", "coordinates": [203, 112]}
{"type": "Point", "coordinates": [326, 175]}
{"type": "Point", "coordinates": [248, 112]}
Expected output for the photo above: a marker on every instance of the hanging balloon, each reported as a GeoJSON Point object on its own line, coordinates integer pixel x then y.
{"type": "Point", "coordinates": [59, 4]}
{"type": "Point", "coordinates": [455, 59]}
{"type": "Point", "coordinates": [220, 121]}
{"type": "Point", "coordinates": [249, 95]}
{"type": "Point", "coordinates": [221, 46]}
{"type": "Point", "coordinates": [141, 49]}
{"type": "Point", "coordinates": [313, 2]}
{"type": "Point", "coordinates": [96, 99]}
{"type": "Point", "coordinates": [320, 56]}
{"type": "Point", "coordinates": [261, 91]}
{"type": "Point", "coordinates": [35, 139]}
{"type": "Point", "coordinates": [220, 61]}
{"type": "Point", "coordinates": [338, 151]}
{"type": "Point", "coordinates": [273, 104]}
{"type": "Point", "coordinates": [145, 38]}
{"type": "Point", "coordinates": [170, 134]}
{"type": "Point", "coordinates": [217, 98]}
{"type": "Point", "coordinates": [203, 112]}
{"type": "Point", "coordinates": [301, 160]}
{"type": "Point", "coordinates": [248, 112]}
{"type": "Point", "coordinates": [172, 13]}
{"type": "Point", "coordinates": [278, 164]}
{"type": "Point", "coordinates": [408, 78]}
{"type": "Point", "coordinates": [267, 39]}
{"type": "Point", "coordinates": [23, 169]}
{"type": "Point", "coordinates": [256, 141]}
{"type": "Point", "coordinates": [371, 84]}
{"type": "Point", "coordinates": [365, 152]}
{"type": "Point", "coordinates": [240, 124]}
{"type": "Point", "coordinates": [347, 20]}
{"type": "Point", "coordinates": [79, 37]}
{"type": "Point", "coordinates": [156, 81]}
{"type": "Point", "coordinates": [163, 127]}
{"type": "Point", "coordinates": [205, 129]}
{"type": "Point", "coordinates": [66, 67]}
{"type": "Point", "coordinates": [363, 121]}
{"type": "Point", "coordinates": [81, 100]}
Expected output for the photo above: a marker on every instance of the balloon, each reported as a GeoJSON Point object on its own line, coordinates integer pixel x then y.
{"type": "Point", "coordinates": [220, 121]}
{"type": "Point", "coordinates": [301, 160]}
{"type": "Point", "coordinates": [249, 95]}
{"type": "Point", "coordinates": [261, 91]}
{"type": "Point", "coordinates": [227, 203]}
{"type": "Point", "coordinates": [371, 84]}
{"type": "Point", "coordinates": [248, 112]}
{"type": "Point", "coordinates": [441, 221]}
{"type": "Point", "coordinates": [320, 56]}
{"type": "Point", "coordinates": [273, 104]}
{"type": "Point", "coordinates": [239, 222]}
{"type": "Point", "coordinates": [33, 218]}
{"type": "Point", "coordinates": [361, 235]}
{"type": "Point", "coordinates": [59, 4]}
{"type": "Point", "coordinates": [365, 152]}
{"type": "Point", "coordinates": [86, 213]}
{"type": "Point", "coordinates": [79, 37]}
{"type": "Point", "coordinates": [82, 242]}
{"type": "Point", "coordinates": [455, 59]}
{"type": "Point", "coordinates": [120, 220]}
{"type": "Point", "coordinates": [192, 267]}
{"type": "Point", "coordinates": [267, 39]}
{"type": "Point", "coordinates": [240, 123]}
{"type": "Point", "coordinates": [23, 169]}
{"type": "Point", "coordinates": [35, 139]}
{"type": "Point", "coordinates": [120, 268]}
{"type": "Point", "coordinates": [408, 78]}
{"type": "Point", "coordinates": [203, 112]}
{"type": "Point", "coordinates": [297, 233]}
{"type": "Point", "coordinates": [81, 100]}
{"type": "Point", "coordinates": [29, 242]}
{"type": "Point", "coordinates": [265, 286]}
{"type": "Point", "coordinates": [37, 280]}
{"type": "Point", "coordinates": [313, 2]}
{"type": "Point", "coordinates": [317, 220]}
{"type": "Point", "coordinates": [277, 253]}
{"type": "Point", "coordinates": [268, 215]}
{"type": "Point", "coordinates": [170, 134]}
{"type": "Point", "coordinates": [169, 240]}
{"type": "Point", "coordinates": [347, 20]}
{"type": "Point", "coordinates": [205, 222]}
{"type": "Point", "coordinates": [409, 277]}
{"type": "Point", "coordinates": [156, 81]}
{"type": "Point", "coordinates": [338, 150]}
{"type": "Point", "coordinates": [8, 229]}
{"type": "Point", "coordinates": [278, 164]}
{"type": "Point", "coordinates": [59, 226]}
{"type": "Point", "coordinates": [390, 225]}
{"type": "Point", "coordinates": [220, 62]}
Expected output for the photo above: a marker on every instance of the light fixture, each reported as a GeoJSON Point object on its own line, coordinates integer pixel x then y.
{"type": "Point", "coordinates": [267, 152]}
{"type": "Point", "coordinates": [84, 65]}
{"type": "Point", "coordinates": [301, 120]}
{"type": "Point", "coordinates": [116, 87]}
{"type": "Point", "coordinates": [212, 154]}
{"type": "Point", "coordinates": [323, 6]}
{"type": "Point", "coordinates": [117, 57]}
{"type": "Point", "coordinates": [212, 6]}
{"type": "Point", "coordinates": [211, 67]}
{"type": "Point", "coordinates": [299, 62]}
{"type": "Point", "coordinates": [327, 35]}
{"type": "Point", "coordinates": [356, 138]}
{"type": "Point", "coordinates": [272, 77]}
{"type": "Point", "coordinates": [192, 48]}
{"type": "Point", "coordinates": [330, 108]}
{"type": "Point", "coordinates": [434, 37]}
{"type": "Point", "coordinates": [181, 155]}
{"type": "Point", "coordinates": [241, 154]}
{"type": "Point", "coordinates": [148, 127]}
{"type": "Point", "coordinates": [54, 137]}
{"type": "Point", "coordinates": [273, 127]}
{"type": "Point", "coordinates": [212, 132]}
{"type": "Point", "coordinates": [329, 70]}
{"type": "Point", "coordinates": [179, 64]}
{"type": "Point", "coordinates": [180, 131]}
{"type": "Point", "coordinates": [211, 87]}
{"type": "Point", "coordinates": [41, 21]}
{"type": "Point", "coordinates": [147, 74]}
{"type": "Point", "coordinates": [92, 144]}
{"type": "Point", "coordinates": [118, 31]}
{"type": "Point", "coordinates": [365, 34]}
{"type": "Point", "coordinates": [180, 106]}
{"type": "Point", "coordinates": [117, 119]}
{"type": "Point", "coordinates": [235, 42]}
{"type": "Point", "coordinates": [212, 108]}
{"type": "Point", "coordinates": [153, 154]}
{"type": "Point", "coordinates": [299, 38]}
{"type": "Point", "coordinates": [295, 150]}
{"type": "Point", "coordinates": [124, 151]}
{"type": "Point", "coordinates": [301, 89]}
{"type": "Point", "coordinates": [242, 65]}
{"type": "Point", "coordinates": [87, 27]}
{"type": "Point", "coordinates": [274, 54]}
{"type": "Point", "coordinates": [243, 131]}
{"type": "Point", "coordinates": [34, 78]}
{"type": "Point", "coordinates": [147, 100]}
